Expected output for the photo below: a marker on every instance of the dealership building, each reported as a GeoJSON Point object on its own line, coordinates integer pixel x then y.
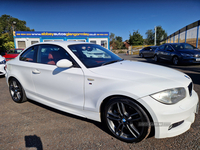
{"type": "Point", "coordinates": [189, 34]}
{"type": "Point", "coordinates": [24, 39]}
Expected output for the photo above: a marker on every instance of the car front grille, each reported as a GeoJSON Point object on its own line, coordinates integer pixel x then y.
{"type": "Point", "coordinates": [190, 88]}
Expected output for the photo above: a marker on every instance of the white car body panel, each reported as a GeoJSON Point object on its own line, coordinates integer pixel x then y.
{"type": "Point", "coordinates": [84, 89]}
{"type": "Point", "coordinates": [2, 70]}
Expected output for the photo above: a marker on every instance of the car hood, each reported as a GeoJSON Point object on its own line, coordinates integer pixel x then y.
{"type": "Point", "coordinates": [190, 51]}
{"type": "Point", "coordinates": [137, 75]}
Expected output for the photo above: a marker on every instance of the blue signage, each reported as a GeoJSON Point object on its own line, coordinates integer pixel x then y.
{"type": "Point", "coordinates": [60, 34]}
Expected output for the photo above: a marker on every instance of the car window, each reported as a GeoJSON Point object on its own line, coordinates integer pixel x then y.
{"type": "Point", "coordinates": [183, 46]}
{"type": "Point", "coordinates": [13, 51]}
{"type": "Point", "coordinates": [168, 47]}
{"type": "Point", "coordinates": [162, 47]}
{"type": "Point", "coordinates": [51, 54]}
{"type": "Point", "coordinates": [30, 54]}
{"type": "Point", "coordinates": [92, 55]}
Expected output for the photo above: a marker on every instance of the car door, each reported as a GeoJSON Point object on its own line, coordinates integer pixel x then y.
{"type": "Point", "coordinates": [26, 60]}
{"type": "Point", "coordinates": [151, 52]}
{"type": "Point", "coordinates": [161, 52]}
{"type": "Point", "coordinates": [168, 52]}
{"type": "Point", "coordinates": [145, 51]}
{"type": "Point", "coordinates": [62, 87]}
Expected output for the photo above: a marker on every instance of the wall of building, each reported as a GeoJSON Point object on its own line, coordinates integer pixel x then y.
{"type": "Point", "coordinates": [189, 34]}
{"type": "Point", "coordinates": [24, 39]}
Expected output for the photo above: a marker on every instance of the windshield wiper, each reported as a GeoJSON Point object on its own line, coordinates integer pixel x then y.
{"type": "Point", "coordinates": [110, 62]}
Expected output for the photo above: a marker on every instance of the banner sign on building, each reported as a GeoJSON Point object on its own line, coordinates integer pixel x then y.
{"type": "Point", "coordinates": [60, 34]}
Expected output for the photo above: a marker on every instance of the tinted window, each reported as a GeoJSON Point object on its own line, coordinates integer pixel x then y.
{"type": "Point", "coordinates": [182, 46]}
{"type": "Point", "coordinates": [12, 51]}
{"type": "Point", "coordinates": [93, 55]}
{"type": "Point", "coordinates": [162, 47]}
{"type": "Point", "coordinates": [168, 47]}
{"type": "Point", "coordinates": [51, 54]}
{"type": "Point", "coordinates": [29, 54]}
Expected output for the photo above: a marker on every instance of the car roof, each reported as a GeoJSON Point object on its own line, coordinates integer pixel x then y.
{"type": "Point", "coordinates": [62, 43]}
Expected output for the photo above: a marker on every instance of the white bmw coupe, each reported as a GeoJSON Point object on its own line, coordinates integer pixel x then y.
{"type": "Point", "coordinates": [130, 98]}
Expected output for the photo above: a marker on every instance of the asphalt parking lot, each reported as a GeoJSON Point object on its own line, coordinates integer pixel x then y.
{"type": "Point", "coordinates": [34, 126]}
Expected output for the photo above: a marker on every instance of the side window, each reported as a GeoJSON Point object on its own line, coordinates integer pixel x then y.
{"type": "Point", "coordinates": [30, 54]}
{"type": "Point", "coordinates": [51, 54]}
{"type": "Point", "coordinates": [168, 47]}
{"type": "Point", "coordinates": [162, 47]}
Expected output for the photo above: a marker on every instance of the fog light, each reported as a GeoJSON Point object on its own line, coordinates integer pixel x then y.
{"type": "Point", "coordinates": [175, 125]}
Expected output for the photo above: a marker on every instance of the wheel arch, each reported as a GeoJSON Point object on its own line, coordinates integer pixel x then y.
{"type": "Point", "coordinates": [105, 101]}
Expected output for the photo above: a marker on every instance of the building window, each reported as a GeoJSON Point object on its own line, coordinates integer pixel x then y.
{"type": "Point", "coordinates": [94, 42]}
{"type": "Point", "coordinates": [21, 44]}
{"type": "Point", "coordinates": [104, 43]}
{"type": "Point", "coordinates": [33, 42]}
{"type": "Point", "coordinates": [52, 40]}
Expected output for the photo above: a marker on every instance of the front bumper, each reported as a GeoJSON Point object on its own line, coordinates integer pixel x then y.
{"type": "Point", "coordinates": [192, 60]}
{"type": "Point", "coordinates": [172, 120]}
{"type": "Point", "coordinates": [2, 69]}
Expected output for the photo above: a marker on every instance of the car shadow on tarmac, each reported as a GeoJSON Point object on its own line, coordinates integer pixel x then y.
{"type": "Point", "coordinates": [98, 124]}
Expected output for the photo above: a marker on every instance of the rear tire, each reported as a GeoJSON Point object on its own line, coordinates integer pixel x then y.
{"type": "Point", "coordinates": [126, 120]}
{"type": "Point", "coordinates": [16, 91]}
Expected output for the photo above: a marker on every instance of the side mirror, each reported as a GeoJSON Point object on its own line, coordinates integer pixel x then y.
{"type": "Point", "coordinates": [64, 63]}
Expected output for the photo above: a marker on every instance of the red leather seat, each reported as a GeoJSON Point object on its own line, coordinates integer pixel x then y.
{"type": "Point", "coordinates": [54, 57]}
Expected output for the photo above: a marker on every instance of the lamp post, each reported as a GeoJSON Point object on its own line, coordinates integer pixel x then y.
{"type": "Point", "coordinates": [13, 27]}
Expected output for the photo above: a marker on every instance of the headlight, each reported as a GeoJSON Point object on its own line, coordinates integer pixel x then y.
{"type": "Point", "coordinates": [3, 62]}
{"type": "Point", "coordinates": [187, 55]}
{"type": "Point", "coordinates": [170, 96]}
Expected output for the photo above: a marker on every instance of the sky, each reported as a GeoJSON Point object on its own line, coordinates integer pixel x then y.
{"type": "Point", "coordinates": [120, 17]}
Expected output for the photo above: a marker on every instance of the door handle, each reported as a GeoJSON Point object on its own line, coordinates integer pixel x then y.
{"type": "Point", "coordinates": [36, 71]}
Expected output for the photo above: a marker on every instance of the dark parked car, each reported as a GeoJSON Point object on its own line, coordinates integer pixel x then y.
{"type": "Point", "coordinates": [177, 53]}
{"type": "Point", "coordinates": [147, 51]}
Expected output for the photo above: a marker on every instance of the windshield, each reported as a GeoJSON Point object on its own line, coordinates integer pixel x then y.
{"type": "Point", "coordinates": [12, 51]}
{"type": "Point", "coordinates": [92, 55]}
{"type": "Point", "coordinates": [183, 46]}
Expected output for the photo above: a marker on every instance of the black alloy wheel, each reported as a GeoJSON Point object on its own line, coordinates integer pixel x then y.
{"type": "Point", "coordinates": [175, 60]}
{"type": "Point", "coordinates": [16, 91]}
{"type": "Point", "coordinates": [126, 120]}
{"type": "Point", "coordinates": [142, 55]}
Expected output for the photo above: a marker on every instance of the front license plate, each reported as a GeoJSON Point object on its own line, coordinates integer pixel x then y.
{"type": "Point", "coordinates": [197, 59]}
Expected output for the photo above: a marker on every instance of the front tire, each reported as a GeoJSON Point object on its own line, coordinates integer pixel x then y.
{"type": "Point", "coordinates": [16, 91]}
{"type": "Point", "coordinates": [126, 120]}
{"type": "Point", "coordinates": [142, 55]}
{"type": "Point", "coordinates": [156, 58]}
{"type": "Point", "coordinates": [175, 60]}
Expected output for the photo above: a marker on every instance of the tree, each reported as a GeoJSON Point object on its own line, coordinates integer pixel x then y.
{"type": "Point", "coordinates": [116, 41]}
{"type": "Point", "coordinates": [136, 38]}
{"type": "Point", "coordinates": [6, 30]}
{"type": "Point", "coordinates": [160, 35]}
{"type": "Point", "coordinates": [150, 37]}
